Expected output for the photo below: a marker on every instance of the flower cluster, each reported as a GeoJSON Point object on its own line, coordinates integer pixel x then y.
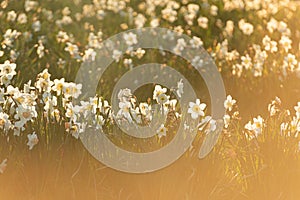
{"type": "Point", "coordinates": [23, 109]}
{"type": "Point", "coordinates": [247, 39]}
{"type": "Point", "coordinates": [276, 31]}
{"type": "Point", "coordinates": [291, 127]}
{"type": "Point", "coordinates": [142, 113]}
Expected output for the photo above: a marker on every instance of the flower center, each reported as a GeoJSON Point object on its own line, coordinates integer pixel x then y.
{"type": "Point", "coordinates": [2, 122]}
{"type": "Point", "coordinates": [26, 114]}
{"type": "Point", "coordinates": [196, 108]}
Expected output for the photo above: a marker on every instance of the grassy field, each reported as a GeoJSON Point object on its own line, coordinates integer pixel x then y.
{"type": "Point", "coordinates": [255, 46]}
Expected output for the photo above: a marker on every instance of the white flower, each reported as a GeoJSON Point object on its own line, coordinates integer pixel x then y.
{"type": "Point", "coordinates": [203, 22]}
{"type": "Point", "coordinates": [24, 113]}
{"type": "Point", "coordinates": [5, 123]}
{"type": "Point", "coordinates": [3, 165]}
{"type": "Point", "coordinates": [186, 127]}
{"type": "Point", "coordinates": [58, 86]}
{"type": "Point", "coordinates": [94, 40]}
{"type": "Point", "coordinates": [62, 37]}
{"type": "Point", "coordinates": [181, 44]}
{"type": "Point", "coordinates": [56, 114]}
{"type": "Point", "coordinates": [43, 84]}
{"type": "Point", "coordinates": [8, 68]}
{"type": "Point", "coordinates": [158, 90]}
{"type": "Point", "coordinates": [273, 107]}
{"type": "Point", "coordinates": [50, 102]}
{"type": "Point", "coordinates": [125, 109]}
{"type": "Point", "coordinates": [66, 11]}
{"type": "Point", "coordinates": [249, 126]}
{"type": "Point", "coordinates": [128, 62]}
{"type": "Point", "coordinates": [204, 122]}
{"type": "Point", "coordinates": [269, 44]}
{"type": "Point", "coordinates": [30, 5]}
{"type": "Point", "coordinates": [145, 109]}
{"type": "Point", "coordinates": [40, 50]}
{"type": "Point", "coordinates": [7, 72]}
{"type": "Point", "coordinates": [9, 38]}
{"type": "Point", "coordinates": [86, 108]}
{"type": "Point", "coordinates": [246, 61]}
{"type": "Point", "coordinates": [140, 20]}
{"type": "Point", "coordinates": [5, 79]}
{"type": "Point", "coordinates": [22, 18]}
{"type": "Point", "coordinates": [214, 10]}
{"type": "Point", "coordinates": [282, 27]}
{"type": "Point", "coordinates": [226, 120]}
{"type": "Point", "coordinates": [169, 14]}
{"type": "Point", "coordinates": [18, 129]}
{"type": "Point", "coordinates": [197, 62]}
{"type": "Point", "coordinates": [61, 63]}
{"type": "Point", "coordinates": [229, 102]}
{"type": "Point", "coordinates": [140, 53]}
{"type": "Point", "coordinates": [154, 22]}
{"type": "Point", "coordinates": [124, 95]}
{"type": "Point", "coordinates": [98, 104]}
{"type": "Point", "coordinates": [283, 128]}
{"type": "Point", "coordinates": [258, 69]}
{"type": "Point", "coordinates": [44, 75]}
{"type": "Point", "coordinates": [117, 55]}
{"type": "Point", "coordinates": [196, 109]}
{"type": "Point", "coordinates": [290, 60]}
{"type": "Point", "coordinates": [89, 55]}
{"type": "Point", "coordinates": [36, 26]}
{"type": "Point", "coordinates": [72, 90]}
{"type": "Point", "coordinates": [256, 126]}
{"type": "Point", "coordinates": [11, 16]}
{"type": "Point", "coordinates": [193, 8]}
{"type": "Point", "coordinates": [237, 69]}
{"type": "Point", "coordinates": [179, 90]}
{"type": "Point", "coordinates": [272, 25]}
{"type": "Point", "coordinates": [196, 42]}
{"type": "Point", "coordinates": [72, 49]}
{"type": "Point", "coordinates": [212, 126]}
{"type": "Point", "coordinates": [295, 125]}
{"type": "Point", "coordinates": [286, 43]}
{"type": "Point", "coordinates": [76, 129]}
{"type": "Point", "coordinates": [162, 131]}
{"type": "Point", "coordinates": [177, 50]}
{"type": "Point", "coordinates": [245, 27]}
{"type": "Point", "coordinates": [229, 28]}
{"type": "Point", "coordinates": [162, 99]}
{"type": "Point", "coordinates": [130, 39]}
{"type": "Point", "coordinates": [173, 103]}
{"type": "Point", "coordinates": [99, 121]}
{"type": "Point", "coordinates": [12, 90]}
{"type": "Point", "coordinates": [32, 140]}
{"type": "Point", "coordinates": [65, 20]}
{"type": "Point", "coordinates": [72, 111]}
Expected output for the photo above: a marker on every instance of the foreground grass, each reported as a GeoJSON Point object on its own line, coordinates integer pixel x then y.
{"type": "Point", "coordinates": [266, 167]}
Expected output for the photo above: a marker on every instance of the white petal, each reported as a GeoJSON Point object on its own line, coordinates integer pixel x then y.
{"type": "Point", "coordinates": [202, 106]}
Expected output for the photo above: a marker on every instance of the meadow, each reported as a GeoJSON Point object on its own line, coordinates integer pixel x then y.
{"type": "Point", "coordinates": [44, 112]}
